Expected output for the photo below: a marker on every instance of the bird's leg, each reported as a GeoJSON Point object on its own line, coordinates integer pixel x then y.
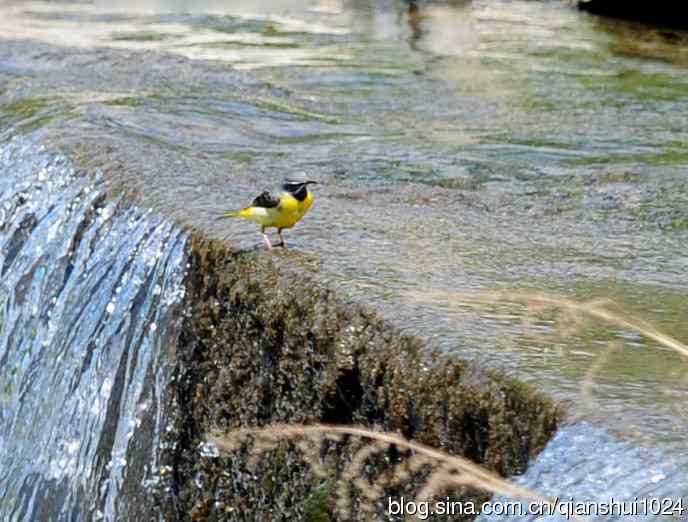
{"type": "Point", "coordinates": [282, 242]}
{"type": "Point", "coordinates": [265, 237]}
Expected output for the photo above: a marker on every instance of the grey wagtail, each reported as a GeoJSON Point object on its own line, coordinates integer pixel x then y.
{"type": "Point", "coordinates": [281, 210]}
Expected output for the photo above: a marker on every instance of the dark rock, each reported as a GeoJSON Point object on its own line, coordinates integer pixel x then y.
{"type": "Point", "coordinates": [661, 12]}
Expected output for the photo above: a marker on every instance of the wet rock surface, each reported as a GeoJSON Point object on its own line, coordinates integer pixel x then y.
{"type": "Point", "coordinates": [264, 344]}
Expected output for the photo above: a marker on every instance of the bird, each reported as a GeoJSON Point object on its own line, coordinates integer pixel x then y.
{"type": "Point", "coordinates": [281, 210]}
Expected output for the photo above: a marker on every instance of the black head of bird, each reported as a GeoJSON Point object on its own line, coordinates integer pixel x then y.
{"type": "Point", "coordinates": [297, 186]}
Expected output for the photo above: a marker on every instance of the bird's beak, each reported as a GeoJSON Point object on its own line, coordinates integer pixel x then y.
{"type": "Point", "coordinates": [311, 183]}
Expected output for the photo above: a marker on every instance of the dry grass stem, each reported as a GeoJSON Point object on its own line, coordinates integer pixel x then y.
{"type": "Point", "coordinates": [441, 471]}
{"type": "Point", "coordinates": [573, 312]}
{"type": "Point", "coordinates": [588, 382]}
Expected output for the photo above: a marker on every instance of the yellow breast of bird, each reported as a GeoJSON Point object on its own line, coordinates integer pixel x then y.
{"type": "Point", "coordinates": [290, 211]}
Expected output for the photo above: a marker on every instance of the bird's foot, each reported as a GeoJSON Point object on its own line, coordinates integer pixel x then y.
{"type": "Point", "coordinates": [267, 241]}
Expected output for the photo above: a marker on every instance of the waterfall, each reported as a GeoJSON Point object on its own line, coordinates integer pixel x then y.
{"type": "Point", "coordinates": [91, 292]}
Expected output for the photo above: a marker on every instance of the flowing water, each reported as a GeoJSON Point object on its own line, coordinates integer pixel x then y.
{"type": "Point", "coordinates": [89, 303]}
{"type": "Point", "coordinates": [489, 144]}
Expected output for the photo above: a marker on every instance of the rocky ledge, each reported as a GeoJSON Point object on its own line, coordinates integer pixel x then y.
{"type": "Point", "coordinates": [262, 343]}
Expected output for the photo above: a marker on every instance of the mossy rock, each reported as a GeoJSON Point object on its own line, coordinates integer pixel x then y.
{"type": "Point", "coordinates": [262, 343]}
{"type": "Point", "coordinates": [318, 505]}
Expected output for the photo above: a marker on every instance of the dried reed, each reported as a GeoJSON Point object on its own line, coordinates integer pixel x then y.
{"type": "Point", "coordinates": [443, 472]}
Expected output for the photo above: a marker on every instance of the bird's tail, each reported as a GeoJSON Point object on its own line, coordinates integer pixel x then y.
{"type": "Point", "coordinates": [235, 213]}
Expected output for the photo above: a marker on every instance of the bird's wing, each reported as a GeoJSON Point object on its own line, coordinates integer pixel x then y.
{"type": "Point", "coordinates": [266, 200]}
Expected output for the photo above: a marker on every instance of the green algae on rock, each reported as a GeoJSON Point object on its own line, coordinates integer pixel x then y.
{"type": "Point", "coordinates": [264, 344]}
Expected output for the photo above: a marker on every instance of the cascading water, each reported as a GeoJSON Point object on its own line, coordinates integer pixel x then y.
{"type": "Point", "coordinates": [90, 297]}
{"type": "Point", "coordinates": [585, 471]}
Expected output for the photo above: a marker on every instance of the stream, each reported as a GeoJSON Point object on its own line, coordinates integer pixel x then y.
{"type": "Point", "coordinates": [461, 148]}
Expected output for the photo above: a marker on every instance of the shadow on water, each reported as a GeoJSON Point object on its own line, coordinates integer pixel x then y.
{"type": "Point", "coordinates": [637, 40]}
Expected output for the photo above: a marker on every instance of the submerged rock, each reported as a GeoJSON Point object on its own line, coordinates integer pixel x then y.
{"type": "Point", "coordinates": [263, 344]}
